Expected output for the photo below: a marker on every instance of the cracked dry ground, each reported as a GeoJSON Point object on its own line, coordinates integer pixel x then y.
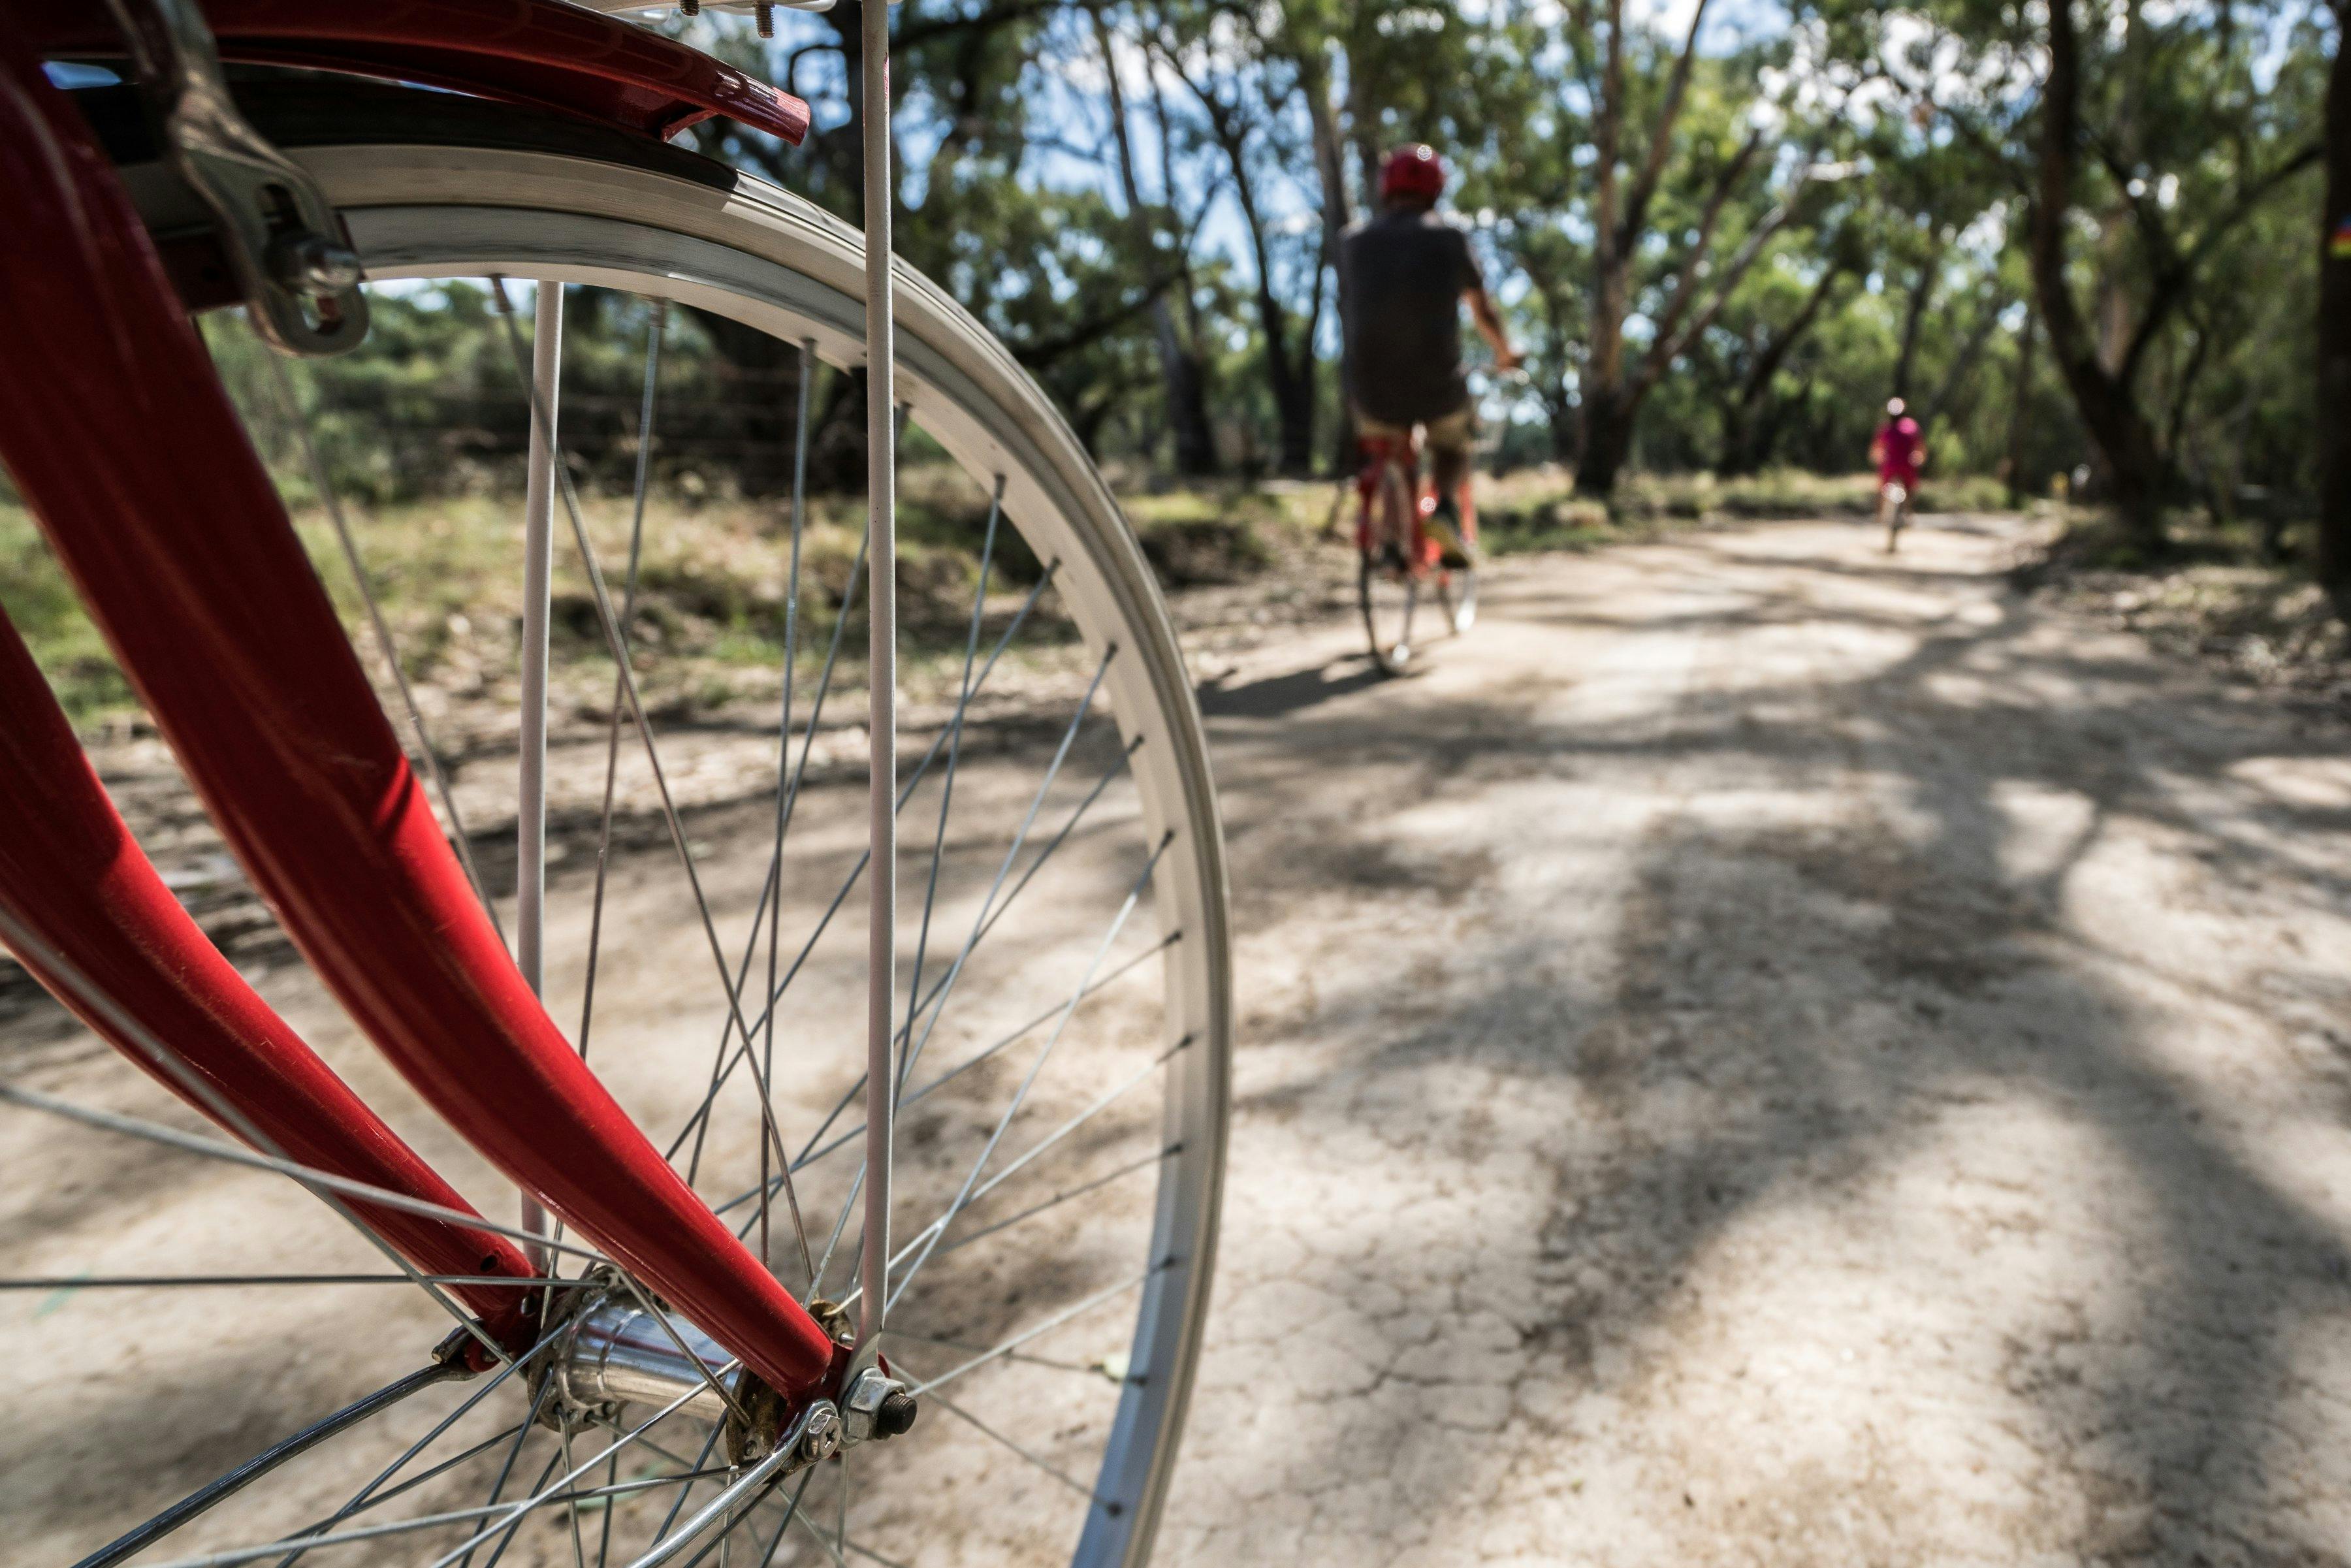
{"type": "Point", "coordinates": [1767, 1053]}
{"type": "Point", "coordinates": [1763, 1053]}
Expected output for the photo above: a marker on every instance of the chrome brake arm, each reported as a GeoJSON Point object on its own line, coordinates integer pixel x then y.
{"type": "Point", "coordinates": [287, 245]}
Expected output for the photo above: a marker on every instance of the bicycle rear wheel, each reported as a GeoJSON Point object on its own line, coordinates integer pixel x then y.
{"type": "Point", "coordinates": [1387, 581]}
{"type": "Point", "coordinates": [1060, 1159]}
{"type": "Point", "coordinates": [1457, 595]}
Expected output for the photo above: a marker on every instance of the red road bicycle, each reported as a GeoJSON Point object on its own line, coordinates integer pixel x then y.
{"type": "Point", "coordinates": [1398, 559]}
{"type": "Point", "coordinates": [728, 1283]}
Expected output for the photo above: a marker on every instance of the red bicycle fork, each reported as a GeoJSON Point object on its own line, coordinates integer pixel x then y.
{"type": "Point", "coordinates": [127, 450]}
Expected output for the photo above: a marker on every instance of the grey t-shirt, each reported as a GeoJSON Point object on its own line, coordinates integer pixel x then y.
{"type": "Point", "coordinates": [1405, 272]}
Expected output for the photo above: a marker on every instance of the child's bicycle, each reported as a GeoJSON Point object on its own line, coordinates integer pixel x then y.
{"type": "Point", "coordinates": [1399, 559]}
{"type": "Point", "coordinates": [1894, 502]}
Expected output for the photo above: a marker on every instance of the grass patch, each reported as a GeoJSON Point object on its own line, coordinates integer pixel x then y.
{"type": "Point", "coordinates": [709, 609]}
{"type": "Point", "coordinates": [2211, 593]}
{"type": "Point", "coordinates": [49, 616]}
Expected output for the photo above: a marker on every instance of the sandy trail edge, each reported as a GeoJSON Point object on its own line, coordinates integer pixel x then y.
{"type": "Point", "coordinates": [1771, 1053]}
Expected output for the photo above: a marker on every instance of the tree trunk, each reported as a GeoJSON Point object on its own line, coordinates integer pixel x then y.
{"type": "Point", "coordinates": [1181, 383]}
{"type": "Point", "coordinates": [2125, 440]}
{"type": "Point", "coordinates": [1292, 391]}
{"type": "Point", "coordinates": [759, 379]}
{"type": "Point", "coordinates": [1607, 441]}
{"type": "Point", "coordinates": [1922, 294]}
{"type": "Point", "coordinates": [1330, 164]}
{"type": "Point", "coordinates": [2334, 562]}
{"type": "Point", "coordinates": [2026, 336]}
{"type": "Point", "coordinates": [1746, 439]}
{"type": "Point", "coordinates": [1963, 364]}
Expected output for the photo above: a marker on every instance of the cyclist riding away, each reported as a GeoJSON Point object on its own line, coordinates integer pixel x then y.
{"type": "Point", "coordinates": [1898, 451]}
{"type": "Point", "coordinates": [1407, 272]}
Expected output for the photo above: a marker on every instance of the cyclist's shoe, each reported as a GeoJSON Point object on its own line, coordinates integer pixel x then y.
{"type": "Point", "coordinates": [1392, 558]}
{"type": "Point", "coordinates": [1445, 527]}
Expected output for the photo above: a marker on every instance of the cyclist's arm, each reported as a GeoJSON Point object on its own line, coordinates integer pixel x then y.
{"type": "Point", "coordinates": [1490, 327]}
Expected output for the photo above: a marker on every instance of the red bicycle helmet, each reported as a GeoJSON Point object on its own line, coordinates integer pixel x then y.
{"type": "Point", "coordinates": [1412, 171]}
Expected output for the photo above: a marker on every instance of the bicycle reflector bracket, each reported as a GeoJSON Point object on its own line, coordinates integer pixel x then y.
{"type": "Point", "coordinates": [287, 247]}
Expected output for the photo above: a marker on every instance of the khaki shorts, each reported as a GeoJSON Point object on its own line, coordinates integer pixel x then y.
{"type": "Point", "coordinates": [1452, 434]}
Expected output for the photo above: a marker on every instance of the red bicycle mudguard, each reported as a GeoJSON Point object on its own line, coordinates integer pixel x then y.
{"type": "Point", "coordinates": [539, 52]}
{"type": "Point", "coordinates": [80, 885]}
{"type": "Point", "coordinates": [129, 453]}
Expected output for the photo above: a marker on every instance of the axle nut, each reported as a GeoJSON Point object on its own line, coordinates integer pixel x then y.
{"type": "Point", "coordinates": [896, 1416]}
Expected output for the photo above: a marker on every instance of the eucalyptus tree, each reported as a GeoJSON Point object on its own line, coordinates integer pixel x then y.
{"type": "Point", "coordinates": [1163, 225]}
{"type": "Point", "coordinates": [1050, 268]}
{"type": "Point", "coordinates": [2155, 134]}
{"type": "Point", "coordinates": [1754, 358]}
{"type": "Point", "coordinates": [1242, 101]}
{"type": "Point", "coordinates": [2334, 328]}
{"type": "Point", "coordinates": [1654, 181]}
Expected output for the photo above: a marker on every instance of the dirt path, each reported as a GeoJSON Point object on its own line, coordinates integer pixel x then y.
{"type": "Point", "coordinates": [1763, 1054]}
{"type": "Point", "coordinates": [1770, 1054]}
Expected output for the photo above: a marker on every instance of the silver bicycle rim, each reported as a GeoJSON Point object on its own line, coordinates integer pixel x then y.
{"type": "Point", "coordinates": [774, 263]}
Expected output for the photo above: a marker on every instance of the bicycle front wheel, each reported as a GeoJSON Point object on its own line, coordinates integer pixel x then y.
{"type": "Point", "coordinates": [1060, 1152]}
{"type": "Point", "coordinates": [1388, 579]}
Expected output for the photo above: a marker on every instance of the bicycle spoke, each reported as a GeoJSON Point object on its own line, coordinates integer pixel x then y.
{"type": "Point", "coordinates": [579, 1546]}
{"type": "Point", "coordinates": [792, 1511]}
{"type": "Point", "coordinates": [993, 910]}
{"type": "Point", "coordinates": [230, 1558]}
{"type": "Point", "coordinates": [724, 1065]}
{"type": "Point", "coordinates": [1066, 1315]}
{"type": "Point", "coordinates": [724, 1541]}
{"type": "Point", "coordinates": [678, 1504]}
{"type": "Point", "coordinates": [1058, 1474]}
{"type": "Point", "coordinates": [773, 895]}
{"type": "Point", "coordinates": [537, 597]}
{"type": "Point", "coordinates": [1041, 1019]}
{"type": "Point", "coordinates": [937, 1227]}
{"type": "Point", "coordinates": [642, 487]}
{"type": "Point", "coordinates": [332, 504]}
{"type": "Point", "coordinates": [369, 1496]}
{"type": "Point", "coordinates": [620, 653]}
{"type": "Point", "coordinates": [1076, 814]}
{"type": "Point", "coordinates": [1059, 1198]}
{"type": "Point", "coordinates": [130, 1033]}
{"type": "Point", "coordinates": [522, 1436]}
{"type": "Point", "coordinates": [808, 1158]}
{"type": "Point", "coordinates": [310, 1177]}
{"type": "Point", "coordinates": [1011, 855]}
{"type": "Point", "coordinates": [955, 755]}
{"type": "Point", "coordinates": [901, 1336]}
{"type": "Point", "coordinates": [628, 618]}
{"type": "Point", "coordinates": [604, 1531]}
{"type": "Point", "coordinates": [190, 1281]}
{"type": "Point", "coordinates": [420, 1478]}
{"type": "Point", "coordinates": [1068, 736]}
{"type": "Point", "coordinates": [515, 1511]}
{"type": "Point", "coordinates": [752, 1479]}
{"type": "Point", "coordinates": [839, 1514]}
{"type": "Point", "coordinates": [138, 1539]}
{"type": "Point", "coordinates": [1021, 1096]}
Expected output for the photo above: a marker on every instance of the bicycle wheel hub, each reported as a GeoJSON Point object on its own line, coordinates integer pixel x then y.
{"type": "Point", "coordinates": [618, 1354]}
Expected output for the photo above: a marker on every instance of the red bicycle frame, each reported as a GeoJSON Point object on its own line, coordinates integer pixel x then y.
{"type": "Point", "coordinates": [129, 453]}
{"type": "Point", "coordinates": [1381, 453]}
